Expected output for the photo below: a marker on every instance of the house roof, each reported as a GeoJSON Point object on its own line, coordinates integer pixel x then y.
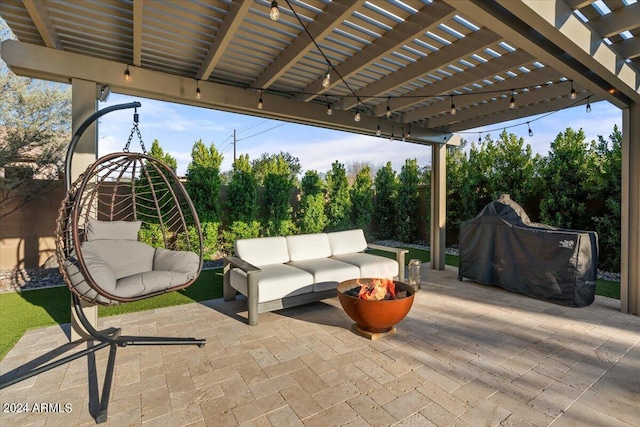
{"type": "Point", "coordinates": [415, 58]}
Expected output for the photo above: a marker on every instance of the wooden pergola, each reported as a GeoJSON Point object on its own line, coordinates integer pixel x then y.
{"type": "Point", "coordinates": [401, 65]}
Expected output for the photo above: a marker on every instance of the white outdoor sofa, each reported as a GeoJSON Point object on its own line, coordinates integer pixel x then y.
{"type": "Point", "coordinates": [280, 272]}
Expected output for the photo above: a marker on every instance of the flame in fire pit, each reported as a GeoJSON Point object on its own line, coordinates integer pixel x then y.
{"type": "Point", "coordinates": [377, 290]}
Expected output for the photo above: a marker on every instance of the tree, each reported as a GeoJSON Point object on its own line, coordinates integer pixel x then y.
{"type": "Point", "coordinates": [565, 175]}
{"type": "Point", "coordinates": [362, 199]}
{"type": "Point", "coordinates": [242, 194]}
{"type": "Point", "coordinates": [606, 194]}
{"type": "Point", "coordinates": [311, 216]}
{"type": "Point", "coordinates": [276, 208]}
{"type": "Point", "coordinates": [157, 152]}
{"type": "Point", "coordinates": [203, 181]}
{"type": "Point", "coordinates": [339, 203]}
{"type": "Point", "coordinates": [384, 207]}
{"type": "Point", "coordinates": [408, 201]}
{"type": "Point", "coordinates": [355, 166]}
{"type": "Point", "coordinates": [262, 164]}
{"type": "Point", "coordinates": [35, 127]}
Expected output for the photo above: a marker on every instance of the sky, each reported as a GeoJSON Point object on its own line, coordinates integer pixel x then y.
{"type": "Point", "coordinates": [177, 127]}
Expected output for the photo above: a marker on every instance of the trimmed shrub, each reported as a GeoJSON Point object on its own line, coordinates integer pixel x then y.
{"type": "Point", "coordinates": [339, 201]}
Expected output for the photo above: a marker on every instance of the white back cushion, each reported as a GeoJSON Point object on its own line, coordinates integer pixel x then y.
{"type": "Point", "coordinates": [347, 242]}
{"type": "Point", "coordinates": [121, 230]}
{"type": "Point", "coordinates": [308, 246]}
{"type": "Point", "coordinates": [263, 251]}
{"type": "Point", "coordinates": [124, 257]}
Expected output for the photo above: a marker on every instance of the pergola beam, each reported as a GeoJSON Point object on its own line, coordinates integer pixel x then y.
{"type": "Point", "coordinates": [138, 6]}
{"type": "Point", "coordinates": [458, 81]}
{"type": "Point", "coordinates": [320, 28]}
{"type": "Point", "coordinates": [429, 64]}
{"type": "Point", "coordinates": [533, 77]}
{"type": "Point", "coordinates": [618, 21]}
{"type": "Point", "coordinates": [629, 48]}
{"type": "Point", "coordinates": [405, 32]}
{"type": "Point", "coordinates": [523, 99]}
{"type": "Point", "coordinates": [54, 65]}
{"type": "Point", "coordinates": [38, 13]}
{"type": "Point", "coordinates": [519, 113]}
{"type": "Point", "coordinates": [236, 13]}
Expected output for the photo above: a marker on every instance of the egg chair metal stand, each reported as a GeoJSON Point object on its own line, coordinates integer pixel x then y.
{"type": "Point", "coordinates": [137, 191]}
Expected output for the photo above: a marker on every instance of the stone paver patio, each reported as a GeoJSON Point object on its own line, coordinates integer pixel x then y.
{"type": "Point", "coordinates": [465, 355]}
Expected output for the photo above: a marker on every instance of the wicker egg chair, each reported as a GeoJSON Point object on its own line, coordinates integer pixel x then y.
{"type": "Point", "coordinates": [120, 198]}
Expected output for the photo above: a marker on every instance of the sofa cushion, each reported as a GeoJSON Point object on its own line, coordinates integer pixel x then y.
{"type": "Point", "coordinates": [177, 261]}
{"type": "Point", "coordinates": [347, 242]}
{"type": "Point", "coordinates": [275, 281]}
{"type": "Point", "coordinates": [100, 272]}
{"type": "Point", "coordinates": [124, 257]}
{"type": "Point", "coordinates": [371, 265]}
{"type": "Point", "coordinates": [308, 246]}
{"type": "Point", "coordinates": [263, 250]}
{"type": "Point", "coordinates": [149, 282]}
{"type": "Point", "coordinates": [120, 230]}
{"type": "Point", "coordinates": [327, 272]}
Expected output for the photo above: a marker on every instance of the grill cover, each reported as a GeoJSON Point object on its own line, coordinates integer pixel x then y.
{"type": "Point", "coordinates": [502, 247]}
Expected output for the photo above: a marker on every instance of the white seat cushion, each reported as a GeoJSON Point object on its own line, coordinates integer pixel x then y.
{"type": "Point", "coordinates": [149, 282]}
{"type": "Point", "coordinates": [371, 265]}
{"type": "Point", "coordinates": [327, 272]}
{"type": "Point", "coordinates": [124, 257]}
{"type": "Point", "coordinates": [263, 250]}
{"type": "Point", "coordinates": [308, 246]}
{"type": "Point", "coordinates": [347, 242]}
{"type": "Point", "coordinates": [275, 281]}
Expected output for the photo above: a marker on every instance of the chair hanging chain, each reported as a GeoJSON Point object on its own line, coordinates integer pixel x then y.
{"type": "Point", "coordinates": [136, 130]}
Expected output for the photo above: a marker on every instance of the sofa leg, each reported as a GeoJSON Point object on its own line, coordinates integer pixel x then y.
{"type": "Point", "coordinates": [228, 292]}
{"type": "Point", "coordinates": [252, 299]}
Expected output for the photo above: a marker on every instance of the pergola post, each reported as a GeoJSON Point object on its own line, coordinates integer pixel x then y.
{"type": "Point", "coordinates": [438, 205]}
{"type": "Point", "coordinates": [630, 233]}
{"type": "Point", "coordinates": [83, 104]}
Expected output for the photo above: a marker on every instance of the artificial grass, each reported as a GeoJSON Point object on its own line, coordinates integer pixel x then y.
{"type": "Point", "coordinates": [22, 311]}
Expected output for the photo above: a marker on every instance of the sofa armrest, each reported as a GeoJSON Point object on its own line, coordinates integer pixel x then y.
{"type": "Point", "coordinates": [399, 256]}
{"type": "Point", "coordinates": [241, 264]}
{"type": "Point", "coordinates": [229, 293]}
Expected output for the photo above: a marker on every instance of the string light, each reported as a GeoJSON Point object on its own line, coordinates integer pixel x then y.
{"type": "Point", "coordinates": [512, 103]}
{"type": "Point", "coordinates": [479, 136]}
{"type": "Point", "coordinates": [274, 13]}
{"type": "Point", "coordinates": [588, 105]}
{"type": "Point", "coordinates": [530, 131]}
{"type": "Point", "coordinates": [127, 75]}
{"type": "Point", "coordinates": [409, 131]}
{"type": "Point", "coordinates": [392, 135]}
{"type": "Point", "coordinates": [573, 94]}
{"type": "Point", "coordinates": [198, 92]}
{"type": "Point", "coordinates": [378, 131]}
{"type": "Point", "coordinates": [329, 110]}
{"type": "Point", "coordinates": [403, 136]}
{"type": "Point", "coordinates": [388, 107]}
{"type": "Point", "coordinates": [453, 107]}
{"type": "Point", "coordinates": [260, 103]}
{"type": "Point", "coordinates": [326, 82]}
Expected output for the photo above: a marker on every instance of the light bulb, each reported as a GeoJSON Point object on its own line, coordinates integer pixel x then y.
{"type": "Point", "coordinates": [260, 105]}
{"type": "Point", "coordinates": [512, 103]}
{"type": "Point", "coordinates": [127, 75]}
{"type": "Point", "coordinates": [588, 106]}
{"type": "Point", "coordinates": [198, 93]}
{"type": "Point", "coordinates": [326, 82]}
{"type": "Point", "coordinates": [378, 131]}
{"type": "Point", "coordinates": [453, 110]}
{"type": "Point", "coordinates": [530, 131]}
{"type": "Point", "coordinates": [357, 116]}
{"type": "Point", "coordinates": [329, 110]}
{"type": "Point", "coordinates": [573, 94]}
{"type": "Point", "coordinates": [388, 111]}
{"type": "Point", "coordinates": [274, 13]}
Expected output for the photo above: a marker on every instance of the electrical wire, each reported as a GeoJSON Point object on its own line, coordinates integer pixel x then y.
{"type": "Point", "coordinates": [264, 131]}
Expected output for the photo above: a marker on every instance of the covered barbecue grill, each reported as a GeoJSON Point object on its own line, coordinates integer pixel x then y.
{"type": "Point", "coordinates": [502, 247]}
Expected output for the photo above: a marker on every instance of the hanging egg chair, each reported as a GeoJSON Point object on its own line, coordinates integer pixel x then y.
{"type": "Point", "coordinates": [126, 230]}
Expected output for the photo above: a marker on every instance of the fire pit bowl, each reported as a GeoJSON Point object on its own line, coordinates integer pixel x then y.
{"type": "Point", "coordinates": [375, 316]}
